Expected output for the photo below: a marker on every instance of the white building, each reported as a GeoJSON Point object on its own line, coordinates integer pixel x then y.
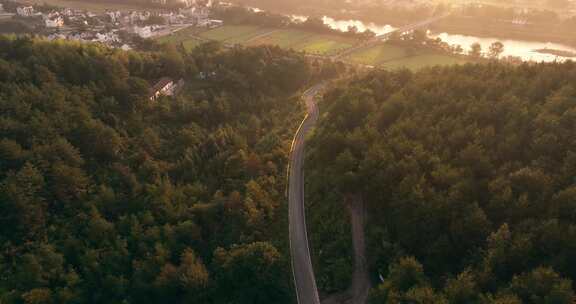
{"type": "Point", "coordinates": [144, 32]}
{"type": "Point", "coordinates": [107, 38]}
{"type": "Point", "coordinates": [134, 17]}
{"type": "Point", "coordinates": [68, 12]}
{"type": "Point", "coordinates": [54, 22]}
{"type": "Point", "coordinates": [164, 87]}
{"type": "Point", "coordinates": [114, 16]}
{"type": "Point", "coordinates": [199, 15]}
{"type": "Point", "coordinates": [25, 11]}
{"type": "Point", "coordinates": [214, 23]}
{"type": "Point", "coordinates": [1, 8]}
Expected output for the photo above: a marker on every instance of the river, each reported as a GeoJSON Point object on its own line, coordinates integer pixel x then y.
{"type": "Point", "coordinates": [526, 50]}
{"type": "Point", "coordinates": [518, 48]}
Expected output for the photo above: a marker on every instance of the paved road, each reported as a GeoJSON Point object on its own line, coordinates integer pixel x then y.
{"type": "Point", "coordinates": [304, 280]}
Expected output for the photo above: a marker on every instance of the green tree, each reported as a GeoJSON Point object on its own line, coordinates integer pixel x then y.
{"type": "Point", "coordinates": [496, 49]}
{"type": "Point", "coordinates": [542, 285]}
{"type": "Point", "coordinates": [406, 273]}
{"type": "Point", "coordinates": [462, 289]}
{"type": "Point", "coordinates": [242, 268]}
{"type": "Point", "coordinates": [192, 274]}
{"type": "Point", "coordinates": [475, 50]}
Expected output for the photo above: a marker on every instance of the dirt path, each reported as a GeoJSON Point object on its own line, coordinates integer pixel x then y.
{"type": "Point", "coordinates": [360, 287]}
{"type": "Point", "coordinates": [360, 278]}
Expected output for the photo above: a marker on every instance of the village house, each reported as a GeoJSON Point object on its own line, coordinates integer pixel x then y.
{"type": "Point", "coordinates": [82, 36]}
{"type": "Point", "coordinates": [114, 16]}
{"type": "Point", "coordinates": [189, 3]}
{"type": "Point", "coordinates": [164, 87]}
{"type": "Point", "coordinates": [107, 38]}
{"type": "Point", "coordinates": [1, 8]}
{"type": "Point", "coordinates": [144, 31]}
{"type": "Point", "coordinates": [173, 18]}
{"type": "Point", "coordinates": [54, 22]}
{"type": "Point", "coordinates": [199, 15]}
{"type": "Point", "coordinates": [134, 17]}
{"type": "Point", "coordinates": [68, 12]}
{"type": "Point", "coordinates": [214, 23]}
{"type": "Point", "coordinates": [25, 11]}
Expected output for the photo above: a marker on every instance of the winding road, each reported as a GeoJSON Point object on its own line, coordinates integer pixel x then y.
{"type": "Point", "coordinates": [304, 280]}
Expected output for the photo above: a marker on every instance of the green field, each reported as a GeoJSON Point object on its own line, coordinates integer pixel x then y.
{"type": "Point", "coordinates": [422, 61]}
{"type": "Point", "coordinates": [191, 44]}
{"type": "Point", "coordinates": [180, 36]}
{"type": "Point", "coordinates": [383, 55]}
{"type": "Point", "coordinates": [233, 34]}
{"type": "Point", "coordinates": [306, 41]}
{"type": "Point", "coordinates": [394, 57]}
{"type": "Point", "coordinates": [378, 55]}
{"type": "Point", "coordinates": [286, 38]}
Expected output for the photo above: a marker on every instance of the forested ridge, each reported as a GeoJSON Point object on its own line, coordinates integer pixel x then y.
{"type": "Point", "coordinates": [108, 197]}
{"type": "Point", "coordinates": [468, 174]}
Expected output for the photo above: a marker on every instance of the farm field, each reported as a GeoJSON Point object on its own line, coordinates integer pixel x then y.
{"type": "Point", "coordinates": [377, 55]}
{"type": "Point", "coordinates": [298, 40]}
{"type": "Point", "coordinates": [394, 57]}
{"type": "Point", "coordinates": [309, 42]}
{"type": "Point", "coordinates": [180, 36]}
{"type": "Point", "coordinates": [383, 55]}
{"type": "Point", "coordinates": [233, 34]}
{"type": "Point", "coordinates": [422, 61]}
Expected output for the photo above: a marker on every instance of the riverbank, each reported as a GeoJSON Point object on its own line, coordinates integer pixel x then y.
{"type": "Point", "coordinates": [458, 25]}
{"type": "Point", "coordinates": [557, 53]}
{"type": "Point", "coordinates": [504, 31]}
{"type": "Point", "coordinates": [376, 15]}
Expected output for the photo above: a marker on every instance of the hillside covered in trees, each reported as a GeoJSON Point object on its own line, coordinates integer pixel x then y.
{"type": "Point", "coordinates": [468, 175]}
{"type": "Point", "coordinates": [108, 197]}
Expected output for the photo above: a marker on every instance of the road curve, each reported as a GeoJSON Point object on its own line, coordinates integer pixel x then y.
{"type": "Point", "coordinates": [304, 280]}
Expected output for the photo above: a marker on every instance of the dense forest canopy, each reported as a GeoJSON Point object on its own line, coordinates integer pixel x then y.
{"type": "Point", "coordinates": [468, 174]}
{"type": "Point", "coordinates": [108, 197]}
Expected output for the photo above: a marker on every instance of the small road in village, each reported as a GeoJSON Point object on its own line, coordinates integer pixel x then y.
{"type": "Point", "coordinates": [304, 279]}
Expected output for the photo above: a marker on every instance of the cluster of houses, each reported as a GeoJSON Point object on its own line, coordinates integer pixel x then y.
{"type": "Point", "coordinates": [193, 15]}
{"type": "Point", "coordinates": [105, 27]}
{"type": "Point", "coordinates": [111, 38]}
{"type": "Point", "coordinates": [56, 18]}
{"type": "Point", "coordinates": [198, 16]}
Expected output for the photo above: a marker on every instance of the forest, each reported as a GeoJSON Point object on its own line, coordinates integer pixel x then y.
{"type": "Point", "coordinates": [467, 175]}
{"type": "Point", "coordinates": [109, 197]}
